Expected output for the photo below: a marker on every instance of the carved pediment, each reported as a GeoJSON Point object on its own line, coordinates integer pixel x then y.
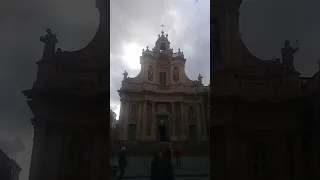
{"type": "Point", "coordinates": [163, 61]}
{"type": "Point", "coordinates": [162, 108]}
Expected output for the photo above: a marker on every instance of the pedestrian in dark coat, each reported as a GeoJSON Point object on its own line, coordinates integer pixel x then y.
{"type": "Point", "coordinates": [167, 166]}
{"type": "Point", "coordinates": [122, 162]}
{"type": "Point", "coordinates": [177, 153]}
{"type": "Point", "coordinates": [157, 168]}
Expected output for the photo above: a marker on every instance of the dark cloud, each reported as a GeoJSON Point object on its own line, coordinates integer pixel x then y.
{"type": "Point", "coordinates": [138, 22]}
{"type": "Point", "coordinates": [265, 24]}
{"type": "Point", "coordinates": [12, 146]}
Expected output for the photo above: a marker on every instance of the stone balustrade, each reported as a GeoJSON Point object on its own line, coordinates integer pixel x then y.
{"type": "Point", "coordinates": [137, 87]}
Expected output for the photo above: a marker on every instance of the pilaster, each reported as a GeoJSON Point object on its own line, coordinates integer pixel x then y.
{"type": "Point", "coordinates": [121, 119]}
{"type": "Point", "coordinates": [173, 119]}
{"type": "Point", "coordinates": [126, 119]}
{"type": "Point", "coordinates": [139, 122]}
{"type": "Point", "coordinates": [183, 124]}
{"type": "Point", "coordinates": [153, 130]}
{"type": "Point", "coordinates": [199, 124]}
{"type": "Point", "coordinates": [144, 120]}
{"type": "Point", "coordinates": [204, 122]}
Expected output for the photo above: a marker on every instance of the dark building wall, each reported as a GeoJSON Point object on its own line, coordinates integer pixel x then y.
{"type": "Point", "coordinates": [9, 170]}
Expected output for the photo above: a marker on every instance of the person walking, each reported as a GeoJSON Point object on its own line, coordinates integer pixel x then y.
{"type": "Point", "coordinates": [122, 162]}
{"type": "Point", "coordinates": [167, 165]}
{"type": "Point", "coordinates": [157, 167]}
{"type": "Point", "coordinates": [178, 155]}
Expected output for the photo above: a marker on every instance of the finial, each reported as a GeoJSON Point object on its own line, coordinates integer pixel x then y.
{"type": "Point", "coordinates": [158, 35]}
{"type": "Point", "coordinates": [142, 50]}
{"type": "Point", "coordinates": [167, 36]}
{"type": "Point", "coordinates": [147, 47]}
{"type": "Point", "coordinates": [162, 33]}
{"type": "Point", "coordinates": [179, 50]}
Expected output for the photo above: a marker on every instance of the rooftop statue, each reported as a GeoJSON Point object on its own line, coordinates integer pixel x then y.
{"type": "Point", "coordinates": [50, 40]}
{"type": "Point", "coordinates": [287, 53]}
{"type": "Point", "coordinates": [125, 75]}
{"type": "Point", "coordinates": [200, 78]}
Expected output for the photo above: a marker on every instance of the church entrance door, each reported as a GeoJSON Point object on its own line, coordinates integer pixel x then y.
{"type": "Point", "coordinates": [162, 133]}
{"type": "Point", "coordinates": [162, 127]}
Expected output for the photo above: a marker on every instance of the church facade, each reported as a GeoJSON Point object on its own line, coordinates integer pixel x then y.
{"type": "Point", "coordinates": [161, 103]}
{"type": "Point", "coordinates": [264, 116]}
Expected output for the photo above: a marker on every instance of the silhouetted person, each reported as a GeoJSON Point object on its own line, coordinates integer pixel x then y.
{"type": "Point", "coordinates": [177, 153]}
{"type": "Point", "coordinates": [168, 153]}
{"type": "Point", "coordinates": [122, 161]}
{"type": "Point", "coordinates": [167, 165]}
{"type": "Point", "coordinates": [157, 167]}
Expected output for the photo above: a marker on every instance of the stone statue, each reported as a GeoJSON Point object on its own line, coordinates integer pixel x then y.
{"type": "Point", "coordinates": [150, 73]}
{"type": "Point", "coordinates": [50, 40]}
{"type": "Point", "coordinates": [200, 78]}
{"type": "Point", "coordinates": [175, 74]}
{"type": "Point", "coordinates": [287, 55]}
{"type": "Point", "coordinates": [125, 75]}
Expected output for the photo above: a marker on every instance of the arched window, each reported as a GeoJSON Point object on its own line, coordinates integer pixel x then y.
{"type": "Point", "coordinates": [162, 47]}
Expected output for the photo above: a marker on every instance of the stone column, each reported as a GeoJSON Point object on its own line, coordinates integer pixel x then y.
{"type": "Point", "coordinates": [126, 119]}
{"type": "Point", "coordinates": [173, 120]}
{"type": "Point", "coordinates": [154, 118]}
{"type": "Point", "coordinates": [121, 115]}
{"type": "Point", "coordinates": [183, 124]}
{"type": "Point", "coordinates": [139, 121]}
{"type": "Point", "coordinates": [38, 153]}
{"type": "Point", "coordinates": [204, 121]}
{"type": "Point", "coordinates": [144, 120]}
{"type": "Point", "coordinates": [298, 159]}
{"type": "Point", "coordinates": [199, 123]}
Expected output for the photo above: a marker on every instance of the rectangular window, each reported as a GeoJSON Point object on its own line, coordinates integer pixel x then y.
{"type": "Point", "coordinates": [162, 79]}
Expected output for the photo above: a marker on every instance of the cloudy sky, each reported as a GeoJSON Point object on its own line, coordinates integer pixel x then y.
{"type": "Point", "coordinates": [137, 25]}
{"type": "Point", "coordinates": [134, 25]}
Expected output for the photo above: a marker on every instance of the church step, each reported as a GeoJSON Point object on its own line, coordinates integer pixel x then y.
{"type": "Point", "coordinates": [190, 166]}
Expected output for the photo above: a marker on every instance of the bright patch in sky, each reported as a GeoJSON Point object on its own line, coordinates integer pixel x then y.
{"type": "Point", "coordinates": [131, 56]}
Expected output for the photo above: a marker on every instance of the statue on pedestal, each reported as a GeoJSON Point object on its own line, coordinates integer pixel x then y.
{"type": "Point", "coordinates": [150, 73]}
{"type": "Point", "coordinates": [125, 75]}
{"type": "Point", "coordinates": [175, 74]}
{"type": "Point", "coordinates": [50, 40]}
{"type": "Point", "coordinates": [287, 53]}
{"type": "Point", "coordinates": [200, 79]}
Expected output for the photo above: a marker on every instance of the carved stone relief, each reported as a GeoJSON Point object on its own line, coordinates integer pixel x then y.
{"type": "Point", "coordinates": [150, 73]}
{"type": "Point", "coordinates": [175, 74]}
{"type": "Point", "coordinates": [162, 108]}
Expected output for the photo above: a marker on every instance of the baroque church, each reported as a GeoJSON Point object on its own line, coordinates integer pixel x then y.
{"type": "Point", "coordinates": [264, 115]}
{"type": "Point", "coordinates": [161, 103]}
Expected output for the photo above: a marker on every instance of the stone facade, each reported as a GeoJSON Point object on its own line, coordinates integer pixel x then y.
{"type": "Point", "coordinates": [9, 169]}
{"type": "Point", "coordinates": [162, 103]}
{"type": "Point", "coordinates": [263, 114]}
{"type": "Point", "coordinates": [69, 101]}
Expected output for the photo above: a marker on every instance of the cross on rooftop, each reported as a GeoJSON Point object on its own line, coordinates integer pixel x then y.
{"type": "Point", "coordinates": [162, 26]}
